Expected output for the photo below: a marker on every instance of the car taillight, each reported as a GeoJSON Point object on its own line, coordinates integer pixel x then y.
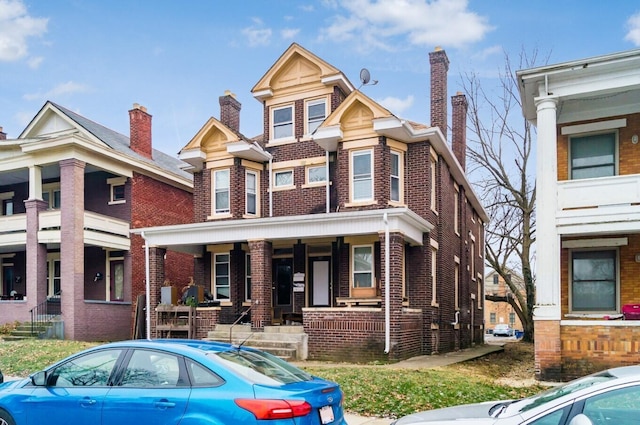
{"type": "Point", "coordinates": [274, 409]}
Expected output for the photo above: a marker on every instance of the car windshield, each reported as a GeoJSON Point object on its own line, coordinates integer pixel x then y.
{"type": "Point", "coordinates": [557, 392]}
{"type": "Point", "coordinates": [261, 367]}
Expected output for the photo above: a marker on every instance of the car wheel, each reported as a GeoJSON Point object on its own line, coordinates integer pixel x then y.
{"type": "Point", "coordinates": [5, 418]}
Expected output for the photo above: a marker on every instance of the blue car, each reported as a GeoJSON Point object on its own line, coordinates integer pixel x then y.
{"type": "Point", "coordinates": [184, 382]}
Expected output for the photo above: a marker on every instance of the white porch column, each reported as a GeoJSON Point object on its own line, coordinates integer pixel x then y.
{"type": "Point", "coordinates": [35, 182]}
{"type": "Point", "coordinates": [548, 240]}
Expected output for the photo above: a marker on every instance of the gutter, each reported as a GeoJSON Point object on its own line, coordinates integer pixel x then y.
{"type": "Point", "coordinates": [147, 286]}
{"type": "Point", "coordinates": [387, 313]}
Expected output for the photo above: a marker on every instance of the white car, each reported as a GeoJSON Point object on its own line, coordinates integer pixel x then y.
{"type": "Point", "coordinates": [611, 397]}
{"type": "Point", "coordinates": [502, 330]}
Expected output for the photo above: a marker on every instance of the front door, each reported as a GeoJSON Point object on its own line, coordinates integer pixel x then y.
{"type": "Point", "coordinates": [282, 287]}
{"type": "Point", "coordinates": [116, 280]}
{"type": "Point", "coordinates": [320, 268]}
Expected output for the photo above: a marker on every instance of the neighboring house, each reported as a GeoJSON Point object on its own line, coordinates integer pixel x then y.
{"type": "Point", "coordinates": [496, 312]}
{"type": "Point", "coordinates": [341, 216]}
{"type": "Point", "coordinates": [588, 212]}
{"type": "Point", "coordinates": [71, 191]}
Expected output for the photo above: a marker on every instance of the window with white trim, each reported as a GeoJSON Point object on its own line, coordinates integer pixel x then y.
{"type": "Point", "coordinates": [7, 203]}
{"type": "Point", "coordinates": [247, 277]}
{"type": "Point", "coordinates": [116, 190]}
{"type": "Point", "coordinates": [251, 192]}
{"type": "Point", "coordinates": [221, 277]}
{"type": "Point", "coordinates": [396, 176]}
{"type": "Point", "coordinates": [594, 281]}
{"type": "Point", "coordinates": [362, 266]}
{"type": "Point", "coordinates": [593, 155]}
{"type": "Point", "coordinates": [362, 175]}
{"type": "Point", "coordinates": [316, 113]}
{"type": "Point", "coordinates": [456, 209]}
{"type": "Point", "coordinates": [54, 275]}
{"type": "Point", "coordinates": [221, 186]}
{"type": "Point", "coordinates": [434, 276]}
{"type": "Point", "coordinates": [316, 174]}
{"type": "Point", "coordinates": [283, 178]}
{"type": "Point", "coordinates": [432, 184]}
{"type": "Point", "coordinates": [51, 195]}
{"type": "Point", "coordinates": [282, 119]}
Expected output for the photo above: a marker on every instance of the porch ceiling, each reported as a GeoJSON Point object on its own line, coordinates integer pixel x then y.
{"type": "Point", "coordinates": [190, 237]}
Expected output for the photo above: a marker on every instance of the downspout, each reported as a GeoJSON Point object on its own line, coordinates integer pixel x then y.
{"type": "Point", "coordinates": [270, 188]}
{"type": "Point", "coordinates": [147, 286]}
{"type": "Point", "coordinates": [328, 197]}
{"type": "Point", "coordinates": [387, 313]}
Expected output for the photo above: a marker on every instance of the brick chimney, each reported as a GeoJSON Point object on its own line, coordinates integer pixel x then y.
{"type": "Point", "coordinates": [3, 135]}
{"type": "Point", "coordinates": [140, 131]}
{"type": "Point", "coordinates": [230, 111]}
{"type": "Point", "coordinates": [459, 106]}
{"type": "Point", "coordinates": [439, 67]}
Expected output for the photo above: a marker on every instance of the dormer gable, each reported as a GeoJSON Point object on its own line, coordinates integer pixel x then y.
{"type": "Point", "coordinates": [295, 71]}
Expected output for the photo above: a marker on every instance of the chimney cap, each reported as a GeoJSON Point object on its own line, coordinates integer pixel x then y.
{"type": "Point", "coordinates": [438, 48]}
{"type": "Point", "coordinates": [140, 107]}
{"type": "Point", "coordinates": [229, 93]}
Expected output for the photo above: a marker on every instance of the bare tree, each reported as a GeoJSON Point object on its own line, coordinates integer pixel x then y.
{"type": "Point", "coordinates": [501, 165]}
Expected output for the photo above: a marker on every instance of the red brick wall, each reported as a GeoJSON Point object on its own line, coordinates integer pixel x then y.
{"type": "Point", "coordinates": [206, 320]}
{"type": "Point", "coordinates": [106, 322]}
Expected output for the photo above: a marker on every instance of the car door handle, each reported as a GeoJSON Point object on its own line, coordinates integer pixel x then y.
{"type": "Point", "coordinates": [164, 404]}
{"type": "Point", "coordinates": [87, 401]}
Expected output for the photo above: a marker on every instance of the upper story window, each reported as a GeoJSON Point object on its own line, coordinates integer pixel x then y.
{"type": "Point", "coordinates": [282, 120]}
{"type": "Point", "coordinates": [283, 178]}
{"type": "Point", "coordinates": [594, 281]}
{"type": "Point", "coordinates": [396, 177]}
{"type": "Point", "coordinates": [362, 175]}
{"type": "Point", "coordinates": [316, 174]}
{"type": "Point", "coordinates": [116, 190]}
{"type": "Point", "coordinates": [316, 113]}
{"type": "Point", "coordinates": [251, 185]}
{"type": "Point", "coordinates": [6, 199]}
{"type": "Point", "coordinates": [51, 195]}
{"type": "Point", "coordinates": [221, 188]}
{"type": "Point", "coordinates": [593, 155]}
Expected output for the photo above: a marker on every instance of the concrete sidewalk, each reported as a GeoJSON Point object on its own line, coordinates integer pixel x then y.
{"type": "Point", "coordinates": [419, 362]}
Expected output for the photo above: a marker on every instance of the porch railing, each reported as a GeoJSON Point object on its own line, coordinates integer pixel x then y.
{"type": "Point", "coordinates": [44, 313]}
{"type": "Point", "coordinates": [242, 315]}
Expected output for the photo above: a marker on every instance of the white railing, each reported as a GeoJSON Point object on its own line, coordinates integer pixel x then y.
{"type": "Point", "coordinates": [599, 192]}
{"type": "Point", "coordinates": [103, 223]}
{"type": "Point", "coordinates": [13, 223]}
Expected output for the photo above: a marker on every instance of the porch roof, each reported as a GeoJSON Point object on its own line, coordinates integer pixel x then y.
{"type": "Point", "coordinates": [190, 237]}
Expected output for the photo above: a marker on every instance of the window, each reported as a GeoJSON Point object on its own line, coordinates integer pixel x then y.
{"type": "Point", "coordinates": [247, 278]}
{"type": "Point", "coordinates": [456, 210]}
{"type": "Point", "coordinates": [89, 370]}
{"type": "Point", "coordinates": [456, 282]}
{"type": "Point", "coordinates": [251, 192]}
{"type": "Point", "coordinates": [116, 190]}
{"type": "Point", "coordinates": [593, 156]}
{"type": "Point", "coordinates": [496, 278]}
{"type": "Point", "coordinates": [283, 178]}
{"type": "Point", "coordinates": [201, 376]}
{"type": "Point", "coordinates": [434, 276]}
{"type": "Point", "coordinates": [221, 277]}
{"type": "Point", "coordinates": [152, 369]}
{"type": "Point", "coordinates": [316, 174]}
{"type": "Point", "coordinates": [594, 280]}
{"type": "Point", "coordinates": [283, 122]}
{"type": "Point", "coordinates": [54, 276]}
{"type": "Point", "coordinates": [512, 319]}
{"type": "Point", "coordinates": [396, 164]}
{"type": "Point", "coordinates": [363, 266]}
{"type": "Point", "coordinates": [221, 189]}
{"type": "Point", "coordinates": [51, 195]}
{"type": "Point", "coordinates": [618, 406]}
{"type": "Point", "coordinates": [316, 113]}
{"type": "Point", "coordinates": [7, 207]}
{"type": "Point", "coordinates": [433, 165]}
{"type": "Point", "coordinates": [492, 317]}
{"type": "Point", "coordinates": [362, 176]}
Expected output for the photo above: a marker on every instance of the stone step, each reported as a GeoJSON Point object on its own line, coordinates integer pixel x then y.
{"type": "Point", "coordinates": [290, 344]}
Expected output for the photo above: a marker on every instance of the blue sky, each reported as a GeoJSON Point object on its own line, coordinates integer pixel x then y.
{"type": "Point", "coordinates": [177, 57]}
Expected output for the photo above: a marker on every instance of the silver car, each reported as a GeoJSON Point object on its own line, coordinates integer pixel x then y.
{"type": "Point", "coordinates": [611, 397]}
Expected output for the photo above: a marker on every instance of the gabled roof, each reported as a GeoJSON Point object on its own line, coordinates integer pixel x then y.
{"type": "Point", "coordinates": [295, 66]}
{"type": "Point", "coordinates": [101, 134]}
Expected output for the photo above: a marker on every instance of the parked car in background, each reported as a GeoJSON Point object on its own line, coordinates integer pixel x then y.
{"type": "Point", "coordinates": [170, 382]}
{"type": "Point", "coordinates": [608, 397]}
{"type": "Point", "coordinates": [502, 330]}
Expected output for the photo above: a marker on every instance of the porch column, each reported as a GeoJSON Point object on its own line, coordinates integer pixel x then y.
{"type": "Point", "coordinates": [72, 247]}
{"type": "Point", "coordinates": [36, 261]}
{"type": "Point", "coordinates": [547, 312]}
{"type": "Point", "coordinates": [396, 273]}
{"type": "Point", "coordinates": [156, 275]}
{"type": "Point", "coordinates": [261, 283]}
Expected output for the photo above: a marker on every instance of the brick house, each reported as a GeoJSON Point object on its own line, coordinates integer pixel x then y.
{"type": "Point", "coordinates": [588, 215]}
{"type": "Point", "coordinates": [71, 190]}
{"type": "Point", "coordinates": [355, 223]}
{"type": "Point", "coordinates": [496, 312]}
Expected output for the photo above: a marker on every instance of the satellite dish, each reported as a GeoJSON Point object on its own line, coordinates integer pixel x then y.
{"type": "Point", "coordinates": [365, 77]}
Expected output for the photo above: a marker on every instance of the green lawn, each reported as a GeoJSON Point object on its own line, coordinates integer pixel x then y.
{"type": "Point", "coordinates": [369, 390]}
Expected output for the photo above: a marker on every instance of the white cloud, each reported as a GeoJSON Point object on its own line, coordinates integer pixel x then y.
{"type": "Point", "coordinates": [61, 89]}
{"type": "Point", "coordinates": [489, 51]}
{"type": "Point", "coordinates": [396, 105]}
{"type": "Point", "coordinates": [16, 26]}
{"type": "Point", "coordinates": [289, 33]}
{"type": "Point", "coordinates": [257, 36]}
{"type": "Point", "coordinates": [633, 25]}
{"type": "Point", "coordinates": [378, 23]}
{"type": "Point", "coordinates": [34, 62]}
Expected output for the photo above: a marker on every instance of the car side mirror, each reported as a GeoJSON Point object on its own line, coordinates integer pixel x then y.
{"type": "Point", "coordinates": [580, 419]}
{"type": "Point", "coordinates": [39, 379]}
{"type": "Point", "coordinates": [1, 377]}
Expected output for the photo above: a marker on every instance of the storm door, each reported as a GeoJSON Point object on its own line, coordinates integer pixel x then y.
{"type": "Point", "coordinates": [282, 287]}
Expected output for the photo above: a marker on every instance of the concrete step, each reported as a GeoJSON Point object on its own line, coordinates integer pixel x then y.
{"type": "Point", "coordinates": [289, 344]}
